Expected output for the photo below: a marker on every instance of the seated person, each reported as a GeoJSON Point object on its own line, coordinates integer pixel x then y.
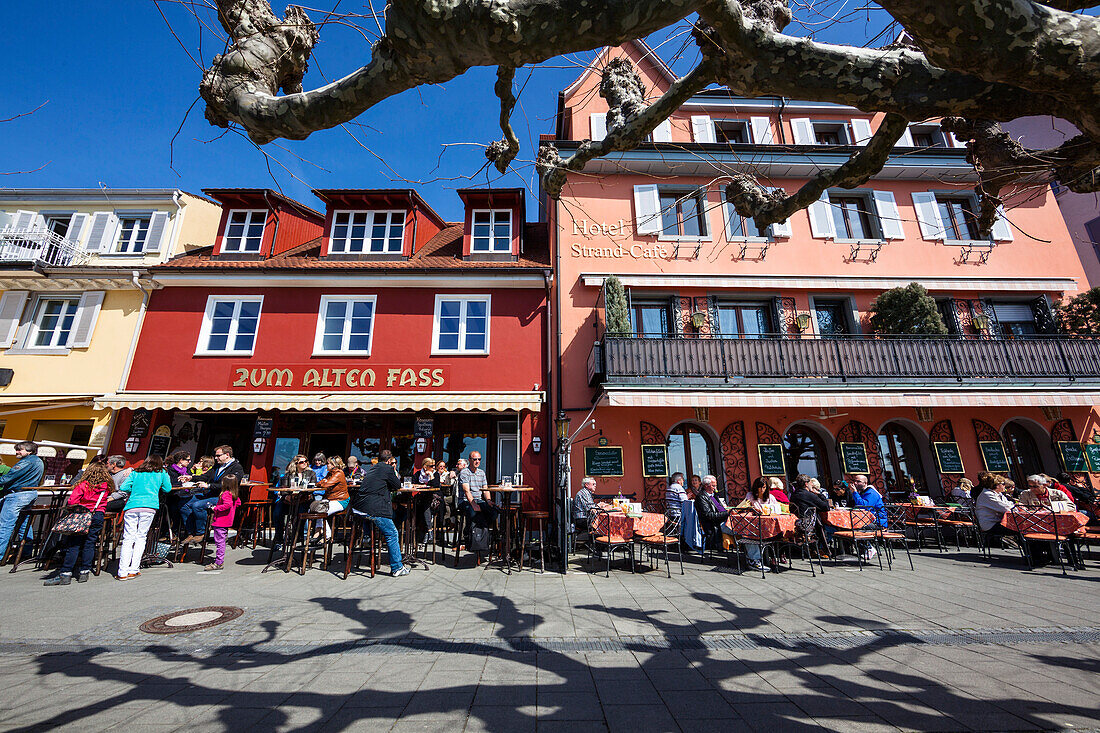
{"type": "Point", "coordinates": [838, 493]}
{"type": "Point", "coordinates": [712, 512]}
{"type": "Point", "coordinates": [866, 496]}
{"type": "Point", "coordinates": [675, 495]}
{"type": "Point", "coordinates": [756, 500]}
{"type": "Point", "coordinates": [1039, 492]}
{"type": "Point", "coordinates": [775, 486]}
{"type": "Point", "coordinates": [582, 503]}
{"type": "Point", "coordinates": [1080, 492]}
{"type": "Point", "coordinates": [991, 507]}
{"type": "Point", "coordinates": [960, 492]}
{"type": "Point", "coordinates": [807, 499]}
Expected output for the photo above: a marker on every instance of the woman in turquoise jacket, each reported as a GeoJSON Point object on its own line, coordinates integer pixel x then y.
{"type": "Point", "coordinates": [145, 485]}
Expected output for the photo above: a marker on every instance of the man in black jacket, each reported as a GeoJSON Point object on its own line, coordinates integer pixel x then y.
{"type": "Point", "coordinates": [193, 513]}
{"type": "Point", "coordinates": [374, 501]}
{"type": "Point", "coordinates": [708, 507]}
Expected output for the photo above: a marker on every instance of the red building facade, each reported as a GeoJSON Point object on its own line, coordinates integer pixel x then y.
{"type": "Point", "coordinates": [374, 325]}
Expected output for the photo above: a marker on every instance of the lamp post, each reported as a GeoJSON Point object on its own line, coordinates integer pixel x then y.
{"type": "Point", "coordinates": [562, 463]}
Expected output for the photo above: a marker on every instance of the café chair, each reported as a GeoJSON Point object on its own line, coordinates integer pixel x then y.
{"type": "Point", "coordinates": [657, 544]}
{"type": "Point", "coordinates": [109, 538]}
{"type": "Point", "coordinates": [181, 548]}
{"type": "Point", "coordinates": [963, 523]}
{"type": "Point", "coordinates": [1039, 525]}
{"type": "Point", "coordinates": [922, 523]}
{"type": "Point", "coordinates": [748, 529]}
{"type": "Point", "coordinates": [361, 528]}
{"type": "Point", "coordinates": [602, 538]}
{"type": "Point", "coordinates": [862, 527]}
{"type": "Point", "coordinates": [304, 528]}
{"type": "Point", "coordinates": [896, 524]}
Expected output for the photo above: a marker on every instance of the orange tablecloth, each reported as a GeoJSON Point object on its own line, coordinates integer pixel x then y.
{"type": "Point", "coordinates": [649, 523]}
{"type": "Point", "coordinates": [915, 512]}
{"type": "Point", "coordinates": [1068, 522]}
{"type": "Point", "coordinates": [761, 527]}
{"type": "Point", "coordinates": [842, 518]}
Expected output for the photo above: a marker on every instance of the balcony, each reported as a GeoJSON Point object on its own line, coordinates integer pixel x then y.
{"type": "Point", "coordinates": [39, 247]}
{"type": "Point", "coordinates": [809, 362]}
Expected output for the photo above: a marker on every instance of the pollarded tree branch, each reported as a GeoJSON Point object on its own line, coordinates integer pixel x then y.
{"type": "Point", "coordinates": [767, 207]}
{"type": "Point", "coordinates": [628, 119]}
{"type": "Point", "coordinates": [504, 151]}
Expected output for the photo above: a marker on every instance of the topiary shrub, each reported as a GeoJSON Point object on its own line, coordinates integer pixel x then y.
{"type": "Point", "coordinates": [618, 315]}
{"type": "Point", "coordinates": [906, 310]}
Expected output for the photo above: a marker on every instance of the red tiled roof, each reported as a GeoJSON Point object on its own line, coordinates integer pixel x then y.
{"type": "Point", "coordinates": [441, 252]}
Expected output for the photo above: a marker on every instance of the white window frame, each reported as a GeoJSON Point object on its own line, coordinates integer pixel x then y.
{"type": "Point", "coordinates": [240, 248]}
{"type": "Point", "coordinates": [345, 337]}
{"type": "Point", "coordinates": [123, 217]}
{"type": "Point", "coordinates": [702, 200]}
{"type": "Point", "coordinates": [492, 236]}
{"type": "Point", "coordinates": [345, 242]}
{"type": "Point", "coordinates": [36, 320]}
{"type": "Point", "coordinates": [841, 127]}
{"type": "Point", "coordinates": [871, 210]}
{"type": "Point", "coordinates": [202, 347]}
{"type": "Point", "coordinates": [466, 299]}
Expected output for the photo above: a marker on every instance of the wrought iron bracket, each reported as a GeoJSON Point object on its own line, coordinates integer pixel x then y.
{"type": "Point", "coordinates": [981, 249]}
{"type": "Point", "coordinates": [870, 250]}
{"type": "Point", "coordinates": [760, 249]}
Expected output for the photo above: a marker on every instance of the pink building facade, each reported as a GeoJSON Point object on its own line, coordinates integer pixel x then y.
{"type": "Point", "coordinates": [750, 352]}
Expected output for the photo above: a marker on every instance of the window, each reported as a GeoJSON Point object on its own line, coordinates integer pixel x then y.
{"type": "Point", "coordinates": [344, 325]}
{"type": "Point", "coordinates": [683, 213]}
{"type": "Point", "coordinates": [1092, 231]}
{"type": "Point", "coordinates": [690, 452]}
{"type": "Point", "coordinates": [731, 131]}
{"type": "Point", "coordinates": [649, 319]}
{"type": "Point", "coordinates": [927, 136]}
{"type": "Point", "coordinates": [805, 452]}
{"type": "Point", "coordinates": [957, 217]}
{"type": "Point", "coordinates": [244, 231]}
{"type": "Point", "coordinates": [1015, 320]}
{"type": "Point", "coordinates": [832, 317]}
{"type": "Point", "coordinates": [59, 225]}
{"type": "Point", "coordinates": [492, 231]}
{"type": "Point", "coordinates": [229, 325]}
{"type": "Point", "coordinates": [850, 217]}
{"type": "Point", "coordinates": [132, 233]}
{"type": "Point", "coordinates": [53, 322]}
{"type": "Point", "coordinates": [461, 324]}
{"type": "Point", "coordinates": [744, 320]}
{"type": "Point", "coordinates": [901, 463]}
{"type": "Point", "coordinates": [829, 135]}
{"type": "Point", "coordinates": [744, 227]}
{"type": "Point", "coordinates": [377, 232]}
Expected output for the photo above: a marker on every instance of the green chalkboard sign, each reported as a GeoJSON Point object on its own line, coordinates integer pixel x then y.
{"type": "Point", "coordinates": [854, 458]}
{"type": "Point", "coordinates": [771, 459]}
{"type": "Point", "coordinates": [993, 455]}
{"type": "Point", "coordinates": [948, 457]}
{"type": "Point", "coordinates": [654, 461]}
{"type": "Point", "coordinates": [1073, 456]}
{"type": "Point", "coordinates": [603, 461]}
{"type": "Point", "coordinates": [1092, 455]}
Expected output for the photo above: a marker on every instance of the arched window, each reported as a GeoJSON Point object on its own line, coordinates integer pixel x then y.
{"type": "Point", "coordinates": [805, 453]}
{"type": "Point", "coordinates": [901, 461]}
{"type": "Point", "coordinates": [1023, 453]}
{"type": "Point", "coordinates": [690, 452]}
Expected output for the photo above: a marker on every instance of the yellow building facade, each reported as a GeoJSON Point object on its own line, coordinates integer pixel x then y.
{"type": "Point", "coordinates": [74, 285]}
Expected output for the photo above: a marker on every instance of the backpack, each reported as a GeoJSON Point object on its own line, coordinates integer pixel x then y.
{"type": "Point", "coordinates": [479, 539]}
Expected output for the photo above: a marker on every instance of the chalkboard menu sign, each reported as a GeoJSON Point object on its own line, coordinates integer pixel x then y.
{"type": "Point", "coordinates": [603, 461]}
{"type": "Point", "coordinates": [654, 461]}
{"type": "Point", "coordinates": [948, 457]}
{"type": "Point", "coordinates": [1092, 455]}
{"type": "Point", "coordinates": [1073, 456]}
{"type": "Point", "coordinates": [854, 458]}
{"type": "Point", "coordinates": [993, 454]}
{"type": "Point", "coordinates": [771, 459]}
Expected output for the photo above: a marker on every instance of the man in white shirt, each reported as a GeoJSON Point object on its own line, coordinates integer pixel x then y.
{"type": "Point", "coordinates": [675, 495]}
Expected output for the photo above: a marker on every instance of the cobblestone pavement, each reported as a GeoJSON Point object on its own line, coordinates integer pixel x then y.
{"type": "Point", "coordinates": [960, 644]}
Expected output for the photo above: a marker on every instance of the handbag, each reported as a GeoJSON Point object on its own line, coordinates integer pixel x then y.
{"type": "Point", "coordinates": [319, 507]}
{"type": "Point", "coordinates": [77, 522]}
{"type": "Point", "coordinates": [479, 539]}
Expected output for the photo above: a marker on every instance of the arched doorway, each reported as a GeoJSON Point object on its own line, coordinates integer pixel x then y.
{"type": "Point", "coordinates": [805, 452]}
{"type": "Point", "coordinates": [690, 451]}
{"type": "Point", "coordinates": [902, 467]}
{"type": "Point", "coordinates": [1023, 453]}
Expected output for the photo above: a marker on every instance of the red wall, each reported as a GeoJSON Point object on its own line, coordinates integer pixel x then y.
{"type": "Point", "coordinates": [164, 359]}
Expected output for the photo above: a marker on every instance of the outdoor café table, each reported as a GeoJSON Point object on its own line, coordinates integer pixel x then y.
{"type": "Point", "coordinates": [506, 505]}
{"type": "Point", "coordinates": [409, 529]}
{"type": "Point", "coordinates": [643, 524]}
{"type": "Point", "coordinates": [1068, 523]}
{"type": "Point", "coordinates": [913, 512]}
{"type": "Point", "coordinates": [294, 495]}
{"type": "Point", "coordinates": [769, 526]}
{"type": "Point", "coordinates": [842, 518]}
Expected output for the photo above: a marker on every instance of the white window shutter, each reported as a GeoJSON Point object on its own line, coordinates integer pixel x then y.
{"type": "Point", "coordinates": [86, 316]}
{"type": "Point", "coordinates": [781, 230]}
{"type": "Point", "coordinates": [597, 126]}
{"type": "Point", "coordinates": [158, 232]}
{"type": "Point", "coordinates": [662, 133]}
{"type": "Point", "coordinates": [889, 218]}
{"type": "Point", "coordinates": [647, 210]}
{"type": "Point", "coordinates": [906, 140]}
{"type": "Point", "coordinates": [1002, 230]}
{"type": "Point", "coordinates": [77, 222]}
{"type": "Point", "coordinates": [728, 213]}
{"type": "Point", "coordinates": [928, 215]}
{"type": "Point", "coordinates": [24, 220]}
{"type": "Point", "coordinates": [953, 141]}
{"type": "Point", "coordinates": [102, 231]}
{"type": "Point", "coordinates": [821, 219]}
{"type": "Point", "coordinates": [5, 219]}
{"type": "Point", "coordinates": [761, 130]}
{"type": "Point", "coordinates": [11, 309]}
{"type": "Point", "coordinates": [861, 130]}
{"type": "Point", "coordinates": [803, 131]}
{"type": "Point", "coordinates": [702, 129]}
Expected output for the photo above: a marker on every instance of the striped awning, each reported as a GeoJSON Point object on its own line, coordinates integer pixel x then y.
{"type": "Point", "coordinates": [380, 401]}
{"type": "Point", "coordinates": [852, 398]}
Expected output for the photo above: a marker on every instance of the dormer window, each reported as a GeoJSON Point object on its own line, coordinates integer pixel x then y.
{"type": "Point", "coordinates": [492, 231]}
{"type": "Point", "coordinates": [132, 233]}
{"type": "Point", "coordinates": [735, 132]}
{"type": "Point", "coordinates": [371, 232]}
{"type": "Point", "coordinates": [244, 231]}
{"type": "Point", "coordinates": [813, 132]}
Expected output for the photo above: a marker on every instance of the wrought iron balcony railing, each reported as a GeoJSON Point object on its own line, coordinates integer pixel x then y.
{"type": "Point", "coordinates": [897, 359]}
{"type": "Point", "coordinates": [39, 246]}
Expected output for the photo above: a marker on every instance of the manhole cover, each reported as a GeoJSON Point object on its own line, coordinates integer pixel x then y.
{"type": "Point", "coordinates": [193, 619]}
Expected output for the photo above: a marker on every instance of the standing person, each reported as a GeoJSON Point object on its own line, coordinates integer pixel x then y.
{"type": "Point", "coordinates": [145, 486]}
{"type": "Point", "coordinates": [222, 518]}
{"type": "Point", "coordinates": [675, 495]}
{"type": "Point", "coordinates": [374, 502]}
{"type": "Point", "coordinates": [193, 513]}
{"type": "Point", "coordinates": [866, 496]}
{"type": "Point", "coordinates": [583, 502]}
{"type": "Point", "coordinates": [14, 491]}
{"type": "Point", "coordinates": [472, 499]}
{"type": "Point", "coordinates": [90, 494]}
{"type": "Point", "coordinates": [335, 485]}
{"type": "Point", "coordinates": [429, 505]}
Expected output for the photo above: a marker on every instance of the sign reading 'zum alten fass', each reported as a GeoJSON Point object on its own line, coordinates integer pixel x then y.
{"type": "Point", "coordinates": [378, 377]}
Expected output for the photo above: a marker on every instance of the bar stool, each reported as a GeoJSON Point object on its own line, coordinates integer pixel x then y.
{"type": "Point", "coordinates": [109, 536]}
{"type": "Point", "coordinates": [462, 526]}
{"type": "Point", "coordinates": [38, 519]}
{"type": "Point", "coordinates": [353, 543]}
{"type": "Point", "coordinates": [181, 550]}
{"type": "Point", "coordinates": [309, 545]}
{"type": "Point", "coordinates": [258, 509]}
{"type": "Point", "coordinates": [532, 517]}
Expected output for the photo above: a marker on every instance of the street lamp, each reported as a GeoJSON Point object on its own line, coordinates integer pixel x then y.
{"type": "Point", "coordinates": [562, 424]}
{"type": "Point", "coordinates": [698, 319]}
{"type": "Point", "coordinates": [802, 322]}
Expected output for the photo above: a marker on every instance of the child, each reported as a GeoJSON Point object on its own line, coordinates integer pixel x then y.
{"type": "Point", "coordinates": [221, 518]}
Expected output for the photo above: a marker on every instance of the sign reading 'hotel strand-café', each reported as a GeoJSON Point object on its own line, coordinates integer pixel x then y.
{"type": "Point", "coordinates": [302, 376]}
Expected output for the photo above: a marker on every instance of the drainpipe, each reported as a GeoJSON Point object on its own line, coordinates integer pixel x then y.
{"type": "Point", "coordinates": [275, 233]}
{"type": "Point", "coordinates": [782, 106]}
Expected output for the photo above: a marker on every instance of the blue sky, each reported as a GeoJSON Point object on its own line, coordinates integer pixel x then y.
{"type": "Point", "coordinates": [117, 85]}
